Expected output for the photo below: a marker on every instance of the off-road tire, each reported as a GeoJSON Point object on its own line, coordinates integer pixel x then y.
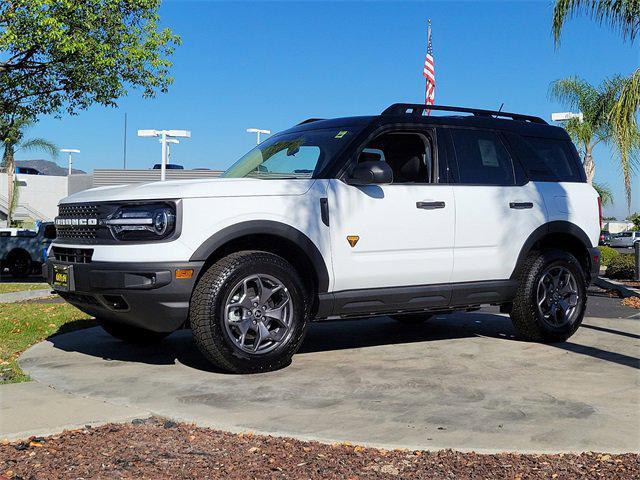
{"type": "Point", "coordinates": [525, 316]}
{"type": "Point", "coordinates": [412, 318]}
{"type": "Point", "coordinates": [131, 334]}
{"type": "Point", "coordinates": [207, 305]}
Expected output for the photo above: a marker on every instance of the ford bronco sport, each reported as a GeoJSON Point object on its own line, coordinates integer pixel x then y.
{"type": "Point", "coordinates": [401, 214]}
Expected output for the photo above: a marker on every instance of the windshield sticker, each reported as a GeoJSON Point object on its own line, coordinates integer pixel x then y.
{"type": "Point", "coordinates": [341, 134]}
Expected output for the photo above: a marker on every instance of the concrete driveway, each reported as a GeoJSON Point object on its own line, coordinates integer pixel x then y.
{"type": "Point", "coordinates": [459, 381]}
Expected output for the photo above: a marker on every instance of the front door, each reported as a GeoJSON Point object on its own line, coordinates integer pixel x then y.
{"type": "Point", "coordinates": [401, 234]}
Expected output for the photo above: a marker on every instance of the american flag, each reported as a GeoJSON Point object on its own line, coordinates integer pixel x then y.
{"type": "Point", "coordinates": [429, 73]}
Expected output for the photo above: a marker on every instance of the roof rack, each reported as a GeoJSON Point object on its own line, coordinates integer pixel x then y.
{"type": "Point", "coordinates": [310, 120]}
{"type": "Point", "coordinates": [419, 109]}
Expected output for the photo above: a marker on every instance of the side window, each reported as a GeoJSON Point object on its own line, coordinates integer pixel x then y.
{"type": "Point", "coordinates": [482, 158]}
{"type": "Point", "coordinates": [408, 154]}
{"type": "Point", "coordinates": [547, 159]}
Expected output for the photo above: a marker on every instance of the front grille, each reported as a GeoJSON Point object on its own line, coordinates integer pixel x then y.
{"type": "Point", "coordinates": [72, 255]}
{"type": "Point", "coordinates": [82, 235]}
{"type": "Point", "coordinates": [80, 223]}
{"type": "Point", "coordinates": [79, 210]}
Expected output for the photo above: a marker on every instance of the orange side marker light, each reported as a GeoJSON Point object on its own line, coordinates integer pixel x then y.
{"type": "Point", "coordinates": [184, 273]}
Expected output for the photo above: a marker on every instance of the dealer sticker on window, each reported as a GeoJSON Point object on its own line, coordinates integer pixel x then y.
{"type": "Point", "coordinates": [341, 134]}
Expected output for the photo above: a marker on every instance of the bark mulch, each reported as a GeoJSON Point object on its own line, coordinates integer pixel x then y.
{"type": "Point", "coordinates": [158, 449]}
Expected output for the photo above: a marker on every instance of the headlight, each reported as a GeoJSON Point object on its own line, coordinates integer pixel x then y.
{"type": "Point", "coordinates": [143, 222]}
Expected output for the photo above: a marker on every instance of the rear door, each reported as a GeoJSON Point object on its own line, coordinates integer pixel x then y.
{"type": "Point", "coordinates": [496, 208]}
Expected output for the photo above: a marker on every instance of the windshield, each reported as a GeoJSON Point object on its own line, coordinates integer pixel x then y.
{"type": "Point", "coordinates": [292, 155]}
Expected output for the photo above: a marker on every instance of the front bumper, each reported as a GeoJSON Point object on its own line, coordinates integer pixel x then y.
{"type": "Point", "coordinates": [145, 295]}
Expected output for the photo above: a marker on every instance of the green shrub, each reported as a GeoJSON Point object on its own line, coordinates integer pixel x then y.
{"type": "Point", "coordinates": [607, 254]}
{"type": "Point", "coordinates": [622, 266]}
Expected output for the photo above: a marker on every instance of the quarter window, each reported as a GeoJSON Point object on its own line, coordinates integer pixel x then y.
{"type": "Point", "coordinates": [547, 159]}
{"type": "Point", "coordinates": [482, 158]}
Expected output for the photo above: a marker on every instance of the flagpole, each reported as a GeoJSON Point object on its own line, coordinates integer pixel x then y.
{"type": "Point", "coordinates": [426, 80]}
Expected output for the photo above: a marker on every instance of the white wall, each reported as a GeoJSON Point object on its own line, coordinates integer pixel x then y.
{"type": "Point", "coordinates": [39, 194]}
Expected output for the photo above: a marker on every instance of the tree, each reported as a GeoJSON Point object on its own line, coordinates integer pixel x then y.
{"type": "Point", "coordinates": [635, 219]}
{"type": "Point", "coordinates": [13, 143]}
{"type": "Point", "coordinates": [606, 196]}
{"type": "Point", "coordinates": [623, 16]}
{"type": "Point", "coordinates": [595, 103]}
{"type": "Point", "coordinates": [70, 54]}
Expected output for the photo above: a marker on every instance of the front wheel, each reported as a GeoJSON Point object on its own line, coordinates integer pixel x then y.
{"type": "Point", "coordinates": [551, 298]}
{"type": "Point", "coordinates": [249, 312]}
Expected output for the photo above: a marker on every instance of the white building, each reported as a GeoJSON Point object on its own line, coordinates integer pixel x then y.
{"type": "Point", "coordinates": [39, 194]}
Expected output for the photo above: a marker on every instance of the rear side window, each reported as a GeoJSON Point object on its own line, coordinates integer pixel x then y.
{"type": "Point", "coordinates": [482, 158]}
{"type": "Point", "coordinates": [547, 159]}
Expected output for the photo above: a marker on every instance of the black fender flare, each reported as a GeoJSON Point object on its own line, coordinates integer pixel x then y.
{"type": "Point", "coordinates": [268, 227]}
{"type": "Point", "coordinates": [557, 226]}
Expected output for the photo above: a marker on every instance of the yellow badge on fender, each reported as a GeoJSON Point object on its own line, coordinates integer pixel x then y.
{"type": "Point", "coordinates": [353, 239]}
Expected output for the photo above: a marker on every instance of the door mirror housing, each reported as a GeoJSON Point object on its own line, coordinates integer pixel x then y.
{"type": "Point", "coordinates": [371, 173]}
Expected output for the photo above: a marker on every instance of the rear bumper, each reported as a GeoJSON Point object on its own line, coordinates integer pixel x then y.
{"type": "Point", "coordinates": [146, 295]}
{"type": "Point", "coordinates": [594, 262]}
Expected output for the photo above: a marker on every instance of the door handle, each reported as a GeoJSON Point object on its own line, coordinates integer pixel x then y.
{"type": "Point", "coordinates": [520, 205]}
{"type": "Point", "coordinates": [430, 205]}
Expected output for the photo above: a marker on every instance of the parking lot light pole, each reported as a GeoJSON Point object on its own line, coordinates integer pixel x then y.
{"type": "Point", "coordinates": [258, 131]}
{"type": "Point", "coordinates": [165, 137]}
{"type": "Point", "coordinates": [566, 116]}
{"type": "Point", "coordinates": [70, 151]}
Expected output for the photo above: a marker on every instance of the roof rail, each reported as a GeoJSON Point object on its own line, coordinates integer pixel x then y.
{"type": "Point", "coordinates": [310, 120]}
{"type": "Point", "coordinates": [419, 109]}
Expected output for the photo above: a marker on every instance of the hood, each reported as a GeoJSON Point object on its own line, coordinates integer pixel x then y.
{"type": "Point", "coordinates": [212, 187]}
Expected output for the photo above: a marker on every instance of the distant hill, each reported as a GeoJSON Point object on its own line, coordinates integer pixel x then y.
{"type": "Point", "coordinates": [47, 167]}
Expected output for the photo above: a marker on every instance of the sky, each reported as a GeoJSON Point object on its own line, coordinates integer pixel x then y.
{"type": "Point", "coordinates": [272, 64]}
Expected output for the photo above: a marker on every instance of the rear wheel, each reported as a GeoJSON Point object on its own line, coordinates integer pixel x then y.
{"type": "Point", "coordinates": [19, 264]}
{"type": "Point", "coordinates": [130, 334]}
{"type": "Point", "coordinates": [412, 318]}
{"type": "Point", "coordinates": [249, 312]}
{"type": "Point", "coordinates": [551, 298]}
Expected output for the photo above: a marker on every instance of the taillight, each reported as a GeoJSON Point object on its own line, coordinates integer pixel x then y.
{"type": "Point", "coordinates": [600, 210]}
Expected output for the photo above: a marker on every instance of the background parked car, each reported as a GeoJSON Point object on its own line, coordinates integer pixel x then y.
{"type": "Point", "coordinates": [605, 238]}
{"type": "Point", "coordinates": [625, 239]}
{"type": "Point", "coordinates": [26, 250]}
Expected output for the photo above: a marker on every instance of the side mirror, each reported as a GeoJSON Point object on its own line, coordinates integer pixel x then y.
{"type": "Point", "coordinates": [50, 232]}
{"type": "Point", "coordinates": [371, 172]}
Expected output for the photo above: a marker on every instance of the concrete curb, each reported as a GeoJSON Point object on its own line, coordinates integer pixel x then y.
{"type": "Point", "coordinates": [25, 295]}
{"type": "Point", "coordinates": [613, 285]}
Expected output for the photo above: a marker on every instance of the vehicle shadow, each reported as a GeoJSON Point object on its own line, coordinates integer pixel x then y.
{"type": "Point", "coordinates": [321, 337]}
{"type": "Point", "coordinates": [332, 336]}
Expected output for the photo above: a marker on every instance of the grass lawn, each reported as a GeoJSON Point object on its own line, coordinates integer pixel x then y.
{"type": "Point", "coordinates": [25, 324]}
{"type": "Point", "coordinates": [21, 287]}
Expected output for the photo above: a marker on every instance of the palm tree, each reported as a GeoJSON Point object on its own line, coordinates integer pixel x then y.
{"type": "Point", "coordinates": [623, 16]}
{"type": "Point", "coordinates": [606, 195]}
{"type": "Point", "coordinates": [595, 103]}
{"type": "Point", "coordinates": [13, 141]}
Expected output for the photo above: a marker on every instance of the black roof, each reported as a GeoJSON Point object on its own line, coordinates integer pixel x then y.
{"type": "Point", "coordinates": [404, 113]}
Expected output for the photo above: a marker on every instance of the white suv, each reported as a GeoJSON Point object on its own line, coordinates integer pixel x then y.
{"type": "Point", "coordinates": [400, 214]}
